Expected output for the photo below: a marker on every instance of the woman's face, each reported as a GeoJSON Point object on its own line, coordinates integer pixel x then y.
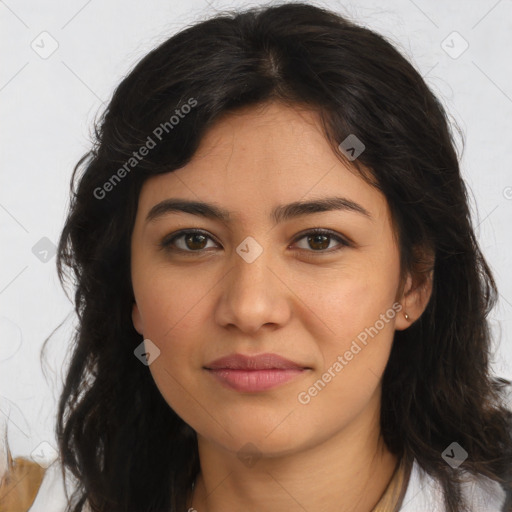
{"type": "Point", "coordinates": [258, 283]}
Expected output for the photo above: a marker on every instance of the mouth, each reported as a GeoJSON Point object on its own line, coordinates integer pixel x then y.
{"type": "Point", "coordinates": [254, 373]}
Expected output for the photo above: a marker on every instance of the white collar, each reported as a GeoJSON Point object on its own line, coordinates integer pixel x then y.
{"type": "Point", "coordinates": [424, 493]}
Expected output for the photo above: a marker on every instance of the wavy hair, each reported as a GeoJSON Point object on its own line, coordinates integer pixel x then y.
{"type": "Point", "coordinates": [126, 447]}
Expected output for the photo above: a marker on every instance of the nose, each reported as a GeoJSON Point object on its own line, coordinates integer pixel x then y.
{"type": "Point", "coordinates": [253, 295]}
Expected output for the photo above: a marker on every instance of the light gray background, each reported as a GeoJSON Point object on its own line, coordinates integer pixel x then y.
{"type": "Point", "coordinates": [48, 106]}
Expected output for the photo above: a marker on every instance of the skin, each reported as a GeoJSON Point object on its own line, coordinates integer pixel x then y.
{"type": "Point", "coordinates": [302, 304]}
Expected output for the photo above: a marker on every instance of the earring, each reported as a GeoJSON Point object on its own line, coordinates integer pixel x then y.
{"type": "Point", "coordinates": [406, 316]}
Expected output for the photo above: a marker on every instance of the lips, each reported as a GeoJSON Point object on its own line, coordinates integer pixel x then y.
{"type": "Point", "coordinates": [260, 362]}
{"type": "Point", "coordinates": [254, 373]}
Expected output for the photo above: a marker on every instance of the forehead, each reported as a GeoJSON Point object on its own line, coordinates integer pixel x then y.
{"type": "Point", "coordinates": [256, 158]}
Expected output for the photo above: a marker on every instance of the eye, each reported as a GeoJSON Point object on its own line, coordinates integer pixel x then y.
{"type": "Point", "coordinates": [318, 241]}
{"type": "Point", "coordinates": [192, 241]}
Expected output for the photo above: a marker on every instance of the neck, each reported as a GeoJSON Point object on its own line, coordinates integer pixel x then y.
{"type": "Point", "coordinates": [348, 472]}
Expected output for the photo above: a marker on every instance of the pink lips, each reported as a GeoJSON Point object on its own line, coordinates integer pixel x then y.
{"type": "Point", "coordinates": [254, 373]}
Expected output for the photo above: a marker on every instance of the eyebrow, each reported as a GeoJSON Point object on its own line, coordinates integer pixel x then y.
{"type": "Point", "coordinates": [279, 214]}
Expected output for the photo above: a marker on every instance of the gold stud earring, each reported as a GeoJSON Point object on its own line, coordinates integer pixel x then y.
{"type": "Point", "coordinates": [406, 316]}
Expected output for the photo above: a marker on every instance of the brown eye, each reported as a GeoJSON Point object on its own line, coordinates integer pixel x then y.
{"type": "Point", "coordinates": [195, 241]}
{"type": "Point", "coordinates": [187, 241]}
{"type": "Point", "coordinates": [319, 241]}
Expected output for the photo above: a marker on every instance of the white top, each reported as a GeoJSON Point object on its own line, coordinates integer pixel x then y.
{"type": "Point", "coordinates": [423, 494]}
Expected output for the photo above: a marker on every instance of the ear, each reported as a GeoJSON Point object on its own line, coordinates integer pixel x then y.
{"type": "Point", "coordinates": [416, 292]}
{"type": "Point", "coordinates": [137, 319]}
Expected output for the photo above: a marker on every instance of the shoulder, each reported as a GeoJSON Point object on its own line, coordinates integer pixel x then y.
{"type": "Point", "coordinates": [53, 493]}
{"type": "Point", "coordinates": [425, 493]}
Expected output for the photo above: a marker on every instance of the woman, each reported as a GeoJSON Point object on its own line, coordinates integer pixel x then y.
{"type": "Point", "coordinates": [281, 298]}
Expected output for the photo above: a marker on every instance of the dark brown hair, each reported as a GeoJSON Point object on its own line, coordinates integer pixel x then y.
{"type": "Point", "coordinates": [128, 449]}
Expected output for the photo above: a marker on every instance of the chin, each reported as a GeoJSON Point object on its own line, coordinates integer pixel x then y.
{"type": "Point", "coordinates": [265, 438]}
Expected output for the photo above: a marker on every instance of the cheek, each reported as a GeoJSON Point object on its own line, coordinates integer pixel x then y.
{"type": "Point", "coordinates": [358, 309]}
{"type": "Point", "coordinates": [174, 317]}
{"type": "Point", "coordinates": [362, 330]}
{"type": "Point", "coordinates": [173, 312]}
{"type": "Point", "coordinates": [353, 302]}
{"type": "Point", "coordinates": [352, 358]}
{"type": "Point", "coordinates": [170, 302]}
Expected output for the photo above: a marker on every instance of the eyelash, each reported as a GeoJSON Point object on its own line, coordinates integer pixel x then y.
{"type": "Point", "coordinates": [167, 242]}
